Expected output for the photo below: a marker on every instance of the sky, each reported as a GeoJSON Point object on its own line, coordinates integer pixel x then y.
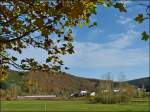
{"type": "Point", "coordinates": [113, 46]}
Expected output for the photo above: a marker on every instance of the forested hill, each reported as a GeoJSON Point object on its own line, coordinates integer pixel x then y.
{"type": "Point", "coordinates": [58, 82]}
{"type": "Point", "coordinates": [52, 82]}
{"type": "Point", "coordinates": [142, 82]}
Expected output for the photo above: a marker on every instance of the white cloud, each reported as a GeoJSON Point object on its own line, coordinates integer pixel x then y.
{"type": "Point", "coordinates": [126, 2]}
{"type": "Point", "coordinates": [92, 55]}
{"type": "Point", "coordinates": [116, 53]}
{"type": "Point", "coordinates": [122, 40]}
{"type": "Point", "coordinates": [127, 22]}
{"type": "Point", "coordinates": [123, 20]}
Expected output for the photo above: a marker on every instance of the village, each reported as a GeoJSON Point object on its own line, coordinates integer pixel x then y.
{"type": "Point", "coordinates": [82, 93]}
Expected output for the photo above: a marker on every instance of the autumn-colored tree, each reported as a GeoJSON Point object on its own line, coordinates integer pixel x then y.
{"type": "Point", "coordinates": [21, 19]}
{"type": "Point", "coordinates": [26, 23]}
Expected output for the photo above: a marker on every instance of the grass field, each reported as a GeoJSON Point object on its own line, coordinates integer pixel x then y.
{"type": "Point", "coordinates": [29, 106]}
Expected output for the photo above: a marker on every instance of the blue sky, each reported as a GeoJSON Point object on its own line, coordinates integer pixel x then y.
{"type": "Point", "coordinates": [113, 46]}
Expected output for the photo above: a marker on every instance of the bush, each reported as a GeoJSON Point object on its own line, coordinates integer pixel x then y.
{"type": "Point", "coordinates": [125, 97]}
{"type": "Point", "coordinates": [8, 98]}
{"type": "Point", "coordinates": [109, 99]}
{"type": "Point", "coordinates": [140, 94]}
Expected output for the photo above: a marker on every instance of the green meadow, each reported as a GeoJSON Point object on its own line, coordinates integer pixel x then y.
{"type": "Point", "coordinates": [38, 105]}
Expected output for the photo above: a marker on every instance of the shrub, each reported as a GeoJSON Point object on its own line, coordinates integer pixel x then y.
{"type": "Point", "coordinates": [8, 98]}
{"type": "Point", "coordinates": [125, 97]}
{"type": "Point", "coordinates": [110, 99]}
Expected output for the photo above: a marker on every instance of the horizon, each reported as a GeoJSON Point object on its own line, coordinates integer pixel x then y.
{"type": "Point", "coordinates": [114, 79]}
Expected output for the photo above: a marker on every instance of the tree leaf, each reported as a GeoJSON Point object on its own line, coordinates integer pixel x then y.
{"type": "Point", "coordinates": [66, 68]}
{"type": "Point", "coordinates": [145, 36]}
{"type": "Point", "coordinates": [101, 1]}
{"type": "Point", "coordinates": [120, 6]}
{"type": "Point", "coordinates": [39, 22]}
{"type": "Point", "coordinates": [14, 58]}
{"type": "Point", "coordinates": [95, 23]}
{"type": "Point", "coordinates": [68, 38]}
{"type": "Point", "coordinates": [80, 25]}
{"type": "Point", "coordinates": [139, 18]}
{"type": "Point", "coordinates": [49, 59]}
{"type": "Point", "coordinates": [87, 22]}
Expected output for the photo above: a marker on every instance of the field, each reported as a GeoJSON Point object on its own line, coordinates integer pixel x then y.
{"type": "Point", "coordinates": [29, 106]}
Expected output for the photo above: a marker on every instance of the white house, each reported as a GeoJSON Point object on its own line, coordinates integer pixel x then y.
{"type": "Point", "coordinates": [82, 92]}
{"type": "Point", "coordinates": [92, 94]}
{"type": "Point", "coordinates": [116, 90]}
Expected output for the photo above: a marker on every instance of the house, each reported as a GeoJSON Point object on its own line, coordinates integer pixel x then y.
{"type": "Point", "coordinates": [116, 90]}
{"type": "Point", "coordinates": [78, 94]}
{"type": "Point", "coordinates": [83, 92]}
{"type": "Point", "coordinates": [92, 94]}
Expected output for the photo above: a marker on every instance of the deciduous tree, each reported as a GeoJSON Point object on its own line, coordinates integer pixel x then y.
{"type": "Point", "coordinates": [26, 23]}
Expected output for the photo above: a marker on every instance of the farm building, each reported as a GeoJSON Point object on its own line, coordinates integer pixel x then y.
{"type": "Point", "coordinates": [37, 97]}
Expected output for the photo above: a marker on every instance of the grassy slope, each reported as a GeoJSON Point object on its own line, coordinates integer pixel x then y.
{"type": "Point", "coordinates": [71, 106]}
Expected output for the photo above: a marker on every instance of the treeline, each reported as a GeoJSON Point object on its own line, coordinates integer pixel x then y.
{"type": "Point", "coordinates": [63, 84]}
{"type": "Point", "coordinates": [43, 83]}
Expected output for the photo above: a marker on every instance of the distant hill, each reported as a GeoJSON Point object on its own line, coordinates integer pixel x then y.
{"type": "Point", "coordinates": [58, 83]}
{"type": "Point", "coordinates": [142, 82]}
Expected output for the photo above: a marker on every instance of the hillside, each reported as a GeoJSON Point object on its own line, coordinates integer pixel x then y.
{"type": "Point", "coordinates": [142, 82]}
{"type": "Point", "coordinates": [43, 83]}
{"type": "Point", "coordinates": [56, 83]}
